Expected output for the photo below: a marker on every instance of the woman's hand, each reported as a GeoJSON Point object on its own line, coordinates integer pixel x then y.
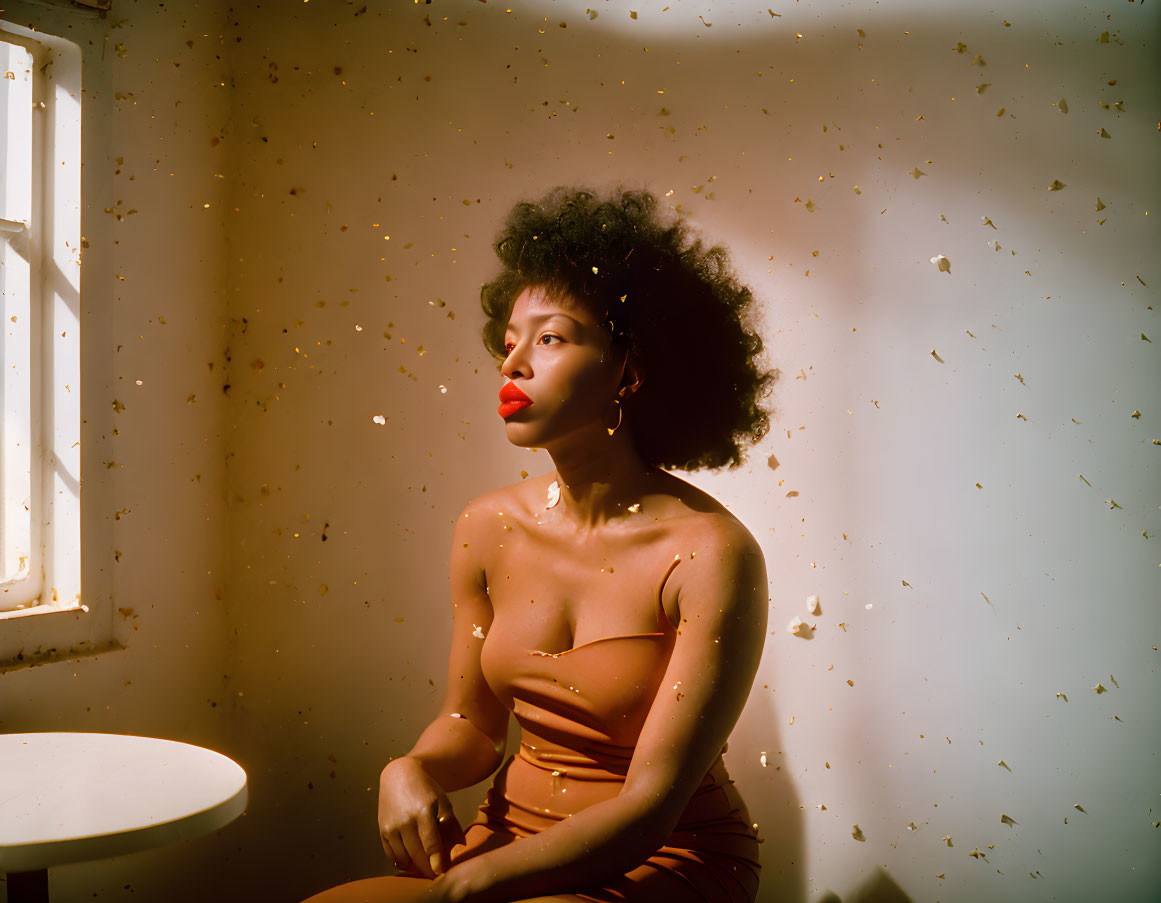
{"type": "Point", "coordinates": [417, 825]}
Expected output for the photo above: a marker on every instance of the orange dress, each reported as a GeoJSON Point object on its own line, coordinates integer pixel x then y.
{"type": "Point", "coordinates": [581, 712]}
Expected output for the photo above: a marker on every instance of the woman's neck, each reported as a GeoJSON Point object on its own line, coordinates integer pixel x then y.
{"type": "Point", "coordinates": [600, 479]}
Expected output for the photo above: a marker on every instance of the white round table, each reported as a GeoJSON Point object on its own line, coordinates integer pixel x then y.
{"type": "Point", "coordinates": [71, 797]}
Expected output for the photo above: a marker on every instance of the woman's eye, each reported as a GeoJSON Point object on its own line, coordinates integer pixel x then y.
{"type": "Point", "coordinates": [544, 339]}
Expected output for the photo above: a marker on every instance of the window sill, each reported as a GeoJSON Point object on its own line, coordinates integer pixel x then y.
{"type": "Point", "coordinates": [47, 633]}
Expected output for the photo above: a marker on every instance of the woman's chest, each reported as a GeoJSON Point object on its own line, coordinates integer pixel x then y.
{"type": "Point", "coordinates": [552, 596]}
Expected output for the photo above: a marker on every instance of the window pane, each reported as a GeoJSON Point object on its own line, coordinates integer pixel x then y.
{"type": "Point", "coordinates": [15, 349]}
{"type": "Point", "coordinates": [16, 122]}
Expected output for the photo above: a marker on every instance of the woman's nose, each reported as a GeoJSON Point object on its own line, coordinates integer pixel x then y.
{"type": "Point", "coordinates": [515, 364]}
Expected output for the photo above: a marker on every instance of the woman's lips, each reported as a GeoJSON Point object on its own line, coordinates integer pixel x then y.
{"type": "Point", "coordinates": [512, 400]}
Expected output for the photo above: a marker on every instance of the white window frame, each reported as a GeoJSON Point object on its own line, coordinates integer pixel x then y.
{"type": "Point", "coordinates": [54, 254]}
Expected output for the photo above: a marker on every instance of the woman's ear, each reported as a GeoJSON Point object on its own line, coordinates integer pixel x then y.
{"type": "Point", "coordinates": [631, 378]}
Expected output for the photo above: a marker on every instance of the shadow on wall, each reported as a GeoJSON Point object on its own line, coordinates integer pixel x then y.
{"type": "Point", "coordinates": [774, 803]}
{"type": "Point", "coordinates": [880, 888]}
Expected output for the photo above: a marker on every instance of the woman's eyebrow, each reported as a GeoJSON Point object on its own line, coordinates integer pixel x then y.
{"type": "Point", "coordinates": [537, 319]}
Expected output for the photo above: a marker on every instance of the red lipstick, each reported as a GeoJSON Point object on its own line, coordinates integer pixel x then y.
{"type": "Point", "coordinates": [512, 400]}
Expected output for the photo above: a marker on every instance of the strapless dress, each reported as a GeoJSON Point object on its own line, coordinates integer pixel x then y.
{"type": "Point", "coordinates": [580, 713]}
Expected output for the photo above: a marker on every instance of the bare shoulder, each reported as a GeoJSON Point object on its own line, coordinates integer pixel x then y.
{"type": "Point", "coordinates": [486, 515]}
{"type": "Point", "coordinates": [722, 570]}
{"type": "Point", "coordinates": [706, 525]}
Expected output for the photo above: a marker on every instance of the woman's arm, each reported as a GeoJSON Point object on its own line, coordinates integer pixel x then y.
{"type": "Point", "coordinates": [465, 742]}
{"type": "Point", "coordinates": [722, 598]}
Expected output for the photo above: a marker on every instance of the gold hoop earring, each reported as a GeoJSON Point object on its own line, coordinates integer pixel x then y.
{"type": "Point", "coordinates": [620, 417]}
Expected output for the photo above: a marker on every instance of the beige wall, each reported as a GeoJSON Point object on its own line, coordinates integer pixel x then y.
{"type": "Point", "coordinates": [335, 648]}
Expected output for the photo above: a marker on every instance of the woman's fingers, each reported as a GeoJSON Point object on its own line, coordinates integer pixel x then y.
{"type": "Point", "coordinates": [416, 851]}
{"type": "Point", "coordinates": [450, 829]}
{"type": "Point", "coordinates": [431, 835]}
{"type": "Point", "coordinates": [393, 847]}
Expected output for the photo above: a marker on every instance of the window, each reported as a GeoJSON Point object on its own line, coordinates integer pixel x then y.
{"type": "Point", "coordinates": [40, 274]}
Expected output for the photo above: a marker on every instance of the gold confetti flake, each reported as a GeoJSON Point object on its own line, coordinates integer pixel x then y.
{"type": "Point", "coordinates": [379, 419]}
{"type": "Point", "coordinates": [946, 838]}
{"type": "Point", "coordinates": [810, 206]}
{"type": "Point", "coordinates": [635, 508]}
{"type": "Point", "coordinates": [936, 356]}
{"type": "Point", "coordinates": [985, 221]}
{"type": "Point", "coordinates": [1004, 765]}
{"type": "Point", "coordinates": [857, 833]}
{"type": "Point", "coordinates": [552, 495]}
{"type": "Point", "coordinates": [1056, 185]}
{"type": "Point", "coordinates": [813, 605]}
{"type": "Point", "coordinates": [1007, 820]}
{"type": "Point", "coordinates": [1079, 808]}
{"type": "Point", "coordinates": [942, 263]}
{"type": "Point", "coordinates": [1062, 696]}
{"type": "Point", "coordinates": [1104, 133]}
{"type": "Point", "coordinates": [477, 631]}
{"type": "Point", "coordinates": [1100, 688]}
{"type": "Point", "coordinates": [916, 173]}
{"type": "Point", "coordinates": [1062, 105]}
{"type": "Point", "coordinates": [800, 628]}
{"type": "Point", "coordinates": [980, 89]}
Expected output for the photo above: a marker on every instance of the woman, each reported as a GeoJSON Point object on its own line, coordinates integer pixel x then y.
{"type": "Point", "coordinates": [617, 610]}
